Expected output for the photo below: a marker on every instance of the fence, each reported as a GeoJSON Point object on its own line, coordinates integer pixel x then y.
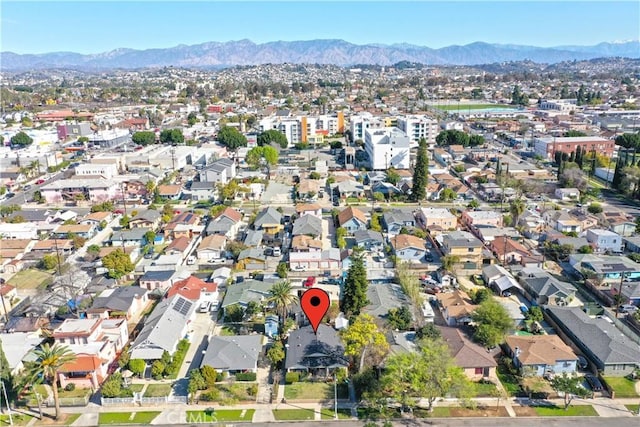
{"type": "Point", "coordinates": [69, 401]}
{"type": "Point", "coordinates": [124, 401]}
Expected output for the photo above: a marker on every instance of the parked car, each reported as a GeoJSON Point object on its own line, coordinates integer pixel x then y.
{"type": "Point", "coordinates": [40, 181]}
{"type": "Point", "coordinates": [204, 307]}
{"type": "Point", "coordinates": [309, 282]}
{"type": "Point", "coordinates": [627, 308]}
{"type": "Point", "coordinates": [582, 362]}
{"type": "Point", "coordinates": [594, 382]}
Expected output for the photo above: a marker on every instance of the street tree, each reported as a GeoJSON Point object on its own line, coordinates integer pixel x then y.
{"type": "Point", "coordinates": [231, 138]}
{"type": "Point", "coordinates": [355, 287]}
{"type": "Point", "coordinates": [49, 361]}
{"type": "Point", "coordinates": [276, 354]}
{"type": "Point", "coordinates": [272, 136]}
{"type": "Point", "coordinates": [363, 339]}
{"type": "Point", "coordinates": [420, 173]}
{"type": "Point", "coordinates": [570, 386]}
{"type": "Point", "coordinates": [492, 322]}
{"type": "Point", "coordinates": [516, 208]}
{"type": "Point", "coordinates": [265, 155]}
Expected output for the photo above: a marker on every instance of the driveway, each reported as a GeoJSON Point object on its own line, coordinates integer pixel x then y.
{"type": "Point", "coordinates": [199, 333]}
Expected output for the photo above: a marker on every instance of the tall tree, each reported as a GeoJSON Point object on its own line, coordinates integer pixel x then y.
{"type": "Point", "coordinates": [280, 295]}
{"type": "Point", "coordinates": [492, 323]}
{"type": "Point", "coordinates": [231, 138]}
{"type": "Point", "coordinates": [355, 287]}
{"type": "Point", "coordinates": [516, 208]}
{"type": "Point", "coordinates": [49, 361]}
{"type": "Point", "coordinates": [273, 136]}
{"type": "Point", "coordinates": [420, 173]}
{"type": "Point", "coordinates": [172, 136]}
{"type": "Point", "coordinates": [363, 338]}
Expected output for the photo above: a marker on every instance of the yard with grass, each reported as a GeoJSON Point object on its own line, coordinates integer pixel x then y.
{"type": "Point", "coordinates": [245, 415]}
{"type": "Point", "coordinates": [313, 391]}
{"type": "Point", "coordinates": [572, 411]}
{"type": "Point", "coordinates": [485, 389]}
{"type": "Point", "coordinates": [31, 279]}
{"type": "Point", "coordinates": [143, 417]}
{"type": "Point", "coordinates": [294, 414]}
{"type": "Point", "coordinates": [510, 382]}
{"type": "Point", "coordinates": [77, 392]}
{"type": "Point", "coordinates": [633, 408]}
{"type": "Point", "coordinates": [157, 390]}
{"type": "Point", "coordinates": [622, 386]}
{"type": "Point", "coordinates": [328, 414]}
{"type": "Point", "coordinates": [136, 388]}
{"type": "Point", "coordinates": [18, 419]}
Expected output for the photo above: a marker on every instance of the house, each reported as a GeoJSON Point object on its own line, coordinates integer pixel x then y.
{"type": "Point", "coordinates": [436, 220]}
{"type": "Point", "coordinates": [95, 218]}
{"type": "Point", "coordinates": [369, 240]}
{"type": "Point", "coordinates": [221, 171]}
{"type": "Point", "coordinates": [226, 223]}
{"type": "Point", "coordinates": [348, 188]}
{"type": "Point", "coordinates": [220, 276]}
{"type": "Point", "coordinates": [202, 191]}
{"type": "Point", "coordinates": [82, 230]}
{"type": "Point", "coordinates": [146, 219]}
{"type": "Point", "coordinates": [465, 246]}
{"type": "Point", "coordinates": [542, 288]}
{"type": "Point", "coordinates": [488, 233]}
{"type": "Point", "coordinates": [566, 194]}
{"type": "Point", "coordinates": [211, 247]}
{"type": "Point", "coordinates": [607, 269]}
{"type": "Point", "coordinates": [537, 355]}
{"type": "Point", "coordinates": [562, 221]}
{"type": "Point", "coordinates": [233, 354]}
{"type": "Point", "coordinates": [252, 259]}
{"type": "Point", "coordinates": [610, 350]}
{"type": "Point", "coordinates": [456, 307]}
{"type": "Point", "coordinates": [585, 219]}
{"type": "Point", "coordinates": [388, 190]}
{"type": "Point", "coordinates": [476, 362]}
{"type": "Point", "coordinates": [604, 240]}
{"type": "Point", "coordinates": [308, 225]}
{"type": "Point", "coordinates": [510, 251]}
{"type": "Point", "coordinates": [309, 209]}
{"type": "Point", "coordinates": [158, 279]}
{"type": "Point", "coordinates": [253, 238]}
{"type": "Point", "coordinates": [408, 248]}
{"type": "Point", "coordinates": [632, 244]}
{"type": "Point", "coordinates": [90, 366]}
{"type": "Point", "coordinates": [22, 230]}
{"type": "Point", "coordinates": [352, 219]}
{"type": "Point", "coordinates": [532, 224]}
{"type": "Point", "coordinates": [498, 278]}
{"type": "Point", "coordinates": [164, 328]}
{"type": "Point", "coordinates": [15, 248]}
{"type": "Point", "coordinates": [247, 291]}
{"type": "Point", "coordinates": [395, 219]}
{"type": "Point", "coordinates": [132, 237]}
{"type": "Point", "coordinates": [86, 331]}
{"type": "Point", "coordinates": [383, 297]}
{"type": "Point", "coordinates": [17, 348]}
{"type": "Point", "coordinates": [319, 354]}
{"type": "Point", "coordinates": [194, 289]}
{"type": "Point", "coordinates": [473, 219]}
{"type": "Point", "coordinates": [8, 297]}
{"type": "Point", "coordinates": [271, 325]}
{"type": "Point", "coordinates": [269, 220]}
{"type": "Point", "coordinates": [124, 301]}
{"type": "Point", "coordinates": [169, 192]}
{"type": "Point", "coordinates": [183, 224]}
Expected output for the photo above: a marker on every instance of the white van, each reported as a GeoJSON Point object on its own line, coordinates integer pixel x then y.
{"type": "Point", "coordinates": [191, 260]}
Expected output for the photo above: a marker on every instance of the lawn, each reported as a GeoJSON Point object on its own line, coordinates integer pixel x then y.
{"type": "Point", "coordinates": [623, 387]}
{"type": "Point", "coordinates": [313, 391]}
{"type": "Point", "coordinates": [462, 107]}
{"type": "Point", "coordinates": [572, 411]}
{"type": "Point", "coordinates": [633, 408]}
{"type": "Point", "coordinates": [328, 414]}
{"type": "Point", "coordinates": [485, 389]}
{"type": "Point", "coordinates": [294, 414]}
{"type": "Point", "coordinates": [245, 415]}
{"type": "Point", "coordinates": [144, 417]}
{"type": "Point", "coordinates": [18, 419]}
{"type": "Point", "coordinates": [77, 392]}
{"type": "Point", "coordinates": [231, 393]}
{"type": "Point", "coordinates": [509, 381]}
{"type": "Point", "coordinates": [157, 390]}
{"type": "Point", "coordinates": [136, 388]}
{"type": "Point", "coordinates": [31, 279]}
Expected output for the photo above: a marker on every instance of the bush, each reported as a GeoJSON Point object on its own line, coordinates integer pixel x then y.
{"type": "Point", "coordinates": [209, 375]}
{"type": "Point", "coordinates": [292, 377]}
{"type": "Point", "coordinates": [252, 390]}
{"type": "Point", "coordinates": [246, 376]}
{"type": "Point", "coordinates": [70, 387]}
{"type": "Point", "coordinates": [210, 396]}
{"type": "Point", "coordinates": [221, 376]}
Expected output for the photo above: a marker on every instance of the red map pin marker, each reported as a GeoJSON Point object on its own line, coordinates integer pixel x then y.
{"type": "Point", "coordinates": [315, 303]}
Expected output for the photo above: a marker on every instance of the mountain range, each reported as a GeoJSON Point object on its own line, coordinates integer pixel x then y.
{"type": "Point", "coordinates": [336, 52]}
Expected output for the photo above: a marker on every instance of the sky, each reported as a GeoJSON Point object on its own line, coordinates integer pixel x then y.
{"type": "Point", "coordinates": [94, 27]}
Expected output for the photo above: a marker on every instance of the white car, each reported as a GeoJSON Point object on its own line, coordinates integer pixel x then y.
{"type": "Point", "coordinates": [298, 268]}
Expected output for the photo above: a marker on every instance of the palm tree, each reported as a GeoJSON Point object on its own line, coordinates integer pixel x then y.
{"type": "Point", "coordinates": [280, 294]}
{"type": "Point", "coordinates": [49, 361]}
{"type": "Point", "coordinates": [516, 208]}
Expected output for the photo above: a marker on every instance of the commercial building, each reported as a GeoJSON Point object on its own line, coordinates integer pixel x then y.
{"type": "Point", "coordinates": [388, 147]}
{"type": "Point", "coordinates": [546, 147]}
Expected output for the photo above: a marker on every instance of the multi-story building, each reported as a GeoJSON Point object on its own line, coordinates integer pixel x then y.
{"type": "Point", "coordinates": [605, 240]}
{"type": "Point", "coordinates": [360, 123]}
{"type": "Point", "coordinates": [388, 147]}
{"type": "Point", "coordinates": [547, 147]}
{"type": "Point", "coordinates": [436, 219]}
{"type": "Point", "coordinates": [97, 169]}
{"type": "Point", "coordinates": [418, 127]}
{"type": "Point", "coordinates": [465, 246]}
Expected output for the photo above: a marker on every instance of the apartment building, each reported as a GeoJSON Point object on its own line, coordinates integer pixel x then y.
{"type": "Point", "coordinates": [360, 123]}
{"type": "Point", "coordinates": [547, 146]}
{"type": "Point", "coordinates": [388, 147]}
{"type": "Point", "coordinates": [418, 127]}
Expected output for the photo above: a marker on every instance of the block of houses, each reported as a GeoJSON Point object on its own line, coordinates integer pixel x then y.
{"type": "Point", "coordinates": [308, 225]}
{"type": "Point", "coordinates": [604, 240]}
{"type": "Point", "coordinates": [408, 248]}
{"type": "Point", "coordinates": [369, 240]}
{"type": "Point", "coordinates": [604, 345]}
{"type": "Point", "coordinates": [164, 328]}
{"type": "Point", "coordinates": [352, 219]}
{"type": "Point", "coordinates": [226, 223]}
{"type": "Point", "coordinates": [127, 302]}
{"type": "Point", "coordinates": [476, 362]}
{"type": "Point", "coordinates": [319, 354]}
{"type": "Point", "coordinates": [395, 219]}
{"type": "Point", "coordinates": [194, 289]}
{"type": "Point", "coordinates": [269, 220]}
{"type": "Point", "coordinates": [566, 194]}
{"type": "Point", "coordinates": [436, 220]}
{"type": "Point", "coordinates": [542, 288]}
{"type": "Point", "coordinates": [309, 209]}
{"type": "Point", "coordinates": [456, 307]}
{"type": "Point", "coordinates": [233, 354]}
{"type": "Point", "coordinates": [537, 355]}
{"type": "Point", "coordinates": [211, 247]}
{"type": "Point", "coordinates": [465, 246]}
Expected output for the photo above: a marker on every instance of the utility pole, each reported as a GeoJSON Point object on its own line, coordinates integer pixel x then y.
{"type": "Point", "coordinates": [335, 396]}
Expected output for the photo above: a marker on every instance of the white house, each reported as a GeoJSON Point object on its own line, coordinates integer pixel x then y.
{"type": "Point", "coordinates": [605, 240]}
{"type": "Point", "coordinates": [565, 194]}
{"type": "Point", "coordinates": [388, 147]}
{"type": "Point", "coordinates": [21, 230]}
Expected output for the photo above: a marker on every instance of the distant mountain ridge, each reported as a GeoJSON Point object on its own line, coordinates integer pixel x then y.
{"type": "Point", "coordinates": [329, 51]}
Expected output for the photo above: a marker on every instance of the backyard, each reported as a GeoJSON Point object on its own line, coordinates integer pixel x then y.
{"type": "Point", "coordinates": [144, 417]}
{"type": "Point", "coordinates": [314, 391]}
{"type": "Point", "coordinates": [623, 387]}
{"type": "Point", "coordinates": [31, 279]}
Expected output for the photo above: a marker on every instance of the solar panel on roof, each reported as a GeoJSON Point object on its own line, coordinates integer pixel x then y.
{"type": "Point", "coordinates": [188, 217]}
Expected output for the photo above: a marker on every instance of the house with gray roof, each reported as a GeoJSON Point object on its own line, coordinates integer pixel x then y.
{"type": "Point", "coordinates": [164, 328]}
{"type": "Point", "coordinates": [308, 225]}
{"type": "Point", "coordinates": [268, 218]}
{"type": "Point", "coordinates": [383, 297]}
{"type": "Point", "coordinates": [394, 219]}
{"type": "Point", "coordinates": [319, 354]}
{"type": "Point", "coordinates": [249, 290]}
{"type": "Point", "coordinates": [148, 218]}
{"type": "Point", "coordinates": [232, 354]}
{"type": "Point", "coordinates": [544, 289]}
{"type": "Point", "coordinates": [221, 171]}
{"type": "Point", "coordinates": [203, 190]}
{"type": "Point", "coordinates": [611, 351]}
{"type": "Point", "coordinates": [607, 268]}
{"type": "Point", "coordinates": [253, 238]}
{"type": "Point", "coordinates": [123, 301]}
{"type": "Point", "coordinates": [252, 259]}
{"type": "Point", "coordinates": [369, 240]}
{"type": "Point", "coordinates": [132, 237]}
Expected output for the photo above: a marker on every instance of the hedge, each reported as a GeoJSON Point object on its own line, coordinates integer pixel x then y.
{"type": "Point", "coordinates": [246, 376]}
{"type": "Point", "coordinates": [292, 377]}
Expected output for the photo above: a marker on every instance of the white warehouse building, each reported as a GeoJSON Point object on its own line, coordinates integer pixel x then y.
{"type": "Point", "coordinates": [387, 147]}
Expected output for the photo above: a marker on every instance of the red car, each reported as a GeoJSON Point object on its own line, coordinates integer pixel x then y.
{"type": "Point", "coordinates": [40, 181]}
{"type": "Point", "coordinates": [118, 211]}
{"type": "Point", "coordinates": [309, 282]}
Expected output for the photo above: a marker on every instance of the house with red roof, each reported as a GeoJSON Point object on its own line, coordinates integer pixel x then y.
{"type": "Point", "coordinates": [194, 289]}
